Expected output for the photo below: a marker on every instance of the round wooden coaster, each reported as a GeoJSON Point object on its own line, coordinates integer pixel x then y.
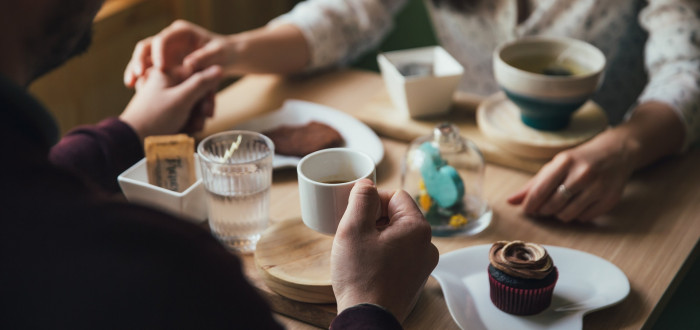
{"type": "Point", "coordinates": [499, 119]}
{"type": "Point", "coordinates": [295, 262]}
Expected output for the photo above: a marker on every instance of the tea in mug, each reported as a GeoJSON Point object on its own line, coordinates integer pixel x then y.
{"type": "Point", "coordinates": [548, 65]}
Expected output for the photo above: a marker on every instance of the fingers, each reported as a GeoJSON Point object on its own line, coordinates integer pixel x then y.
{"type": "Point", "coordinates": [571, 210]}
{"type": "Point", "coordinates": [596, 209]}
{"type": "Point", "coordinates": [170, 46]}
{"type": "Point", "coordinates": [579, 180]}
{"type": "Point", "coordinates": [545, 183]}
{"type": "Point", "coordinates": [139, 62]}
{"type": "Point", "coordinates": [565, 194]}
{"type": "Point", "coordinates": [202, 110]}
{"type": "Point", "coordinates": [404, 213]}
{"type": "Point", "coordinates": [593, 202]}
{"type": "Point", "coordinates": [208, 104]}
{"type": "Point", "coordinates": [210, 54]}
{"type": "Point", "coordinates": [572, 190]}
{"type": "Point", "coordinates": [519, 197]}
{"type": "Point", "coordinates": [200, 84]}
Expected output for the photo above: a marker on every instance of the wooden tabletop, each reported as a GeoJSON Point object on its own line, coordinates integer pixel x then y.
{"type": "Point", "coordinates": [650, 235]}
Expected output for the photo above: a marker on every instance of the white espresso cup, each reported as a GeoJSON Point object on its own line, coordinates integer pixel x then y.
{"type": "Point", "coordinates": [325, 180]}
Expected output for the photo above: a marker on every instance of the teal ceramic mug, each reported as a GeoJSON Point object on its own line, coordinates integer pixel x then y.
{"type": "Point", "coordinates": [548, 78]}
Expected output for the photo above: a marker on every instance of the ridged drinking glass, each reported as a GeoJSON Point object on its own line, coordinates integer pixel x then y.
{"type": "Point", "coordinates": [237, 173]}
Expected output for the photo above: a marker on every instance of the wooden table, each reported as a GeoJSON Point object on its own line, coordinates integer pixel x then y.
{"type": "Point", "coordinates": [651, 235]}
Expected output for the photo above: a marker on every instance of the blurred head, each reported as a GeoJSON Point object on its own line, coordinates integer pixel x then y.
{"type": "Point", "coordinates": [42, 34]}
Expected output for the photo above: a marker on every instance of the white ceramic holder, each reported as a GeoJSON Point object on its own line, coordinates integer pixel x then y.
{"type": "Point", "coordinates": [423, 94]}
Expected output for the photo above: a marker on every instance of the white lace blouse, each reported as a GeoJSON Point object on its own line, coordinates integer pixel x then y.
{"type": "Point", "coordinates": [652, 47]}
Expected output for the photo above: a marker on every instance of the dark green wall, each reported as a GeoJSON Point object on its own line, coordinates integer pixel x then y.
{"type": "Point", "coordinates": [412, 29]}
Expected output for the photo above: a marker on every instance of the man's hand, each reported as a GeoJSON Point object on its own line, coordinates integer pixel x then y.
{"type": "Point", "coordinates": [164, 105]}
{"type": "Point", "coordinates": [382, 252]}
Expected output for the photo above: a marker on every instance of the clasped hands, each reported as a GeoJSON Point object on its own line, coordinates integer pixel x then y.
{"type": "Point", "coordinates": [174, 90]}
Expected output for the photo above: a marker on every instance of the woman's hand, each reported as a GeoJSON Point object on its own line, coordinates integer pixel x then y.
{"type": "Point", "coordinates": [588, 181]}
{"type": "Point", "coordinates": [382, 252]}
{"type": "Point", "coordinates": [580, 183]}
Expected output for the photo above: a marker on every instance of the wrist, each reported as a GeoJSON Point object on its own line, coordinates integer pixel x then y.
{"type": "Point", "coordinates": [629, 147]}
{"type": "Point", "coordinates": [365, 316]}
{"type": "Point", "coordinates": [243, 52]}
{"type": "Point", "coordinates": [236, 53]}
{"type": "Point", "coordinates": [375, 299]}
{"type": "Point", "coordinates": [280, 49]}
{"type": "Point", "coordinates": [653, 131]}
{"type": "Point", "coordinates": [345, 301]}
{"type": "Point", "coordinates": [134, 124]}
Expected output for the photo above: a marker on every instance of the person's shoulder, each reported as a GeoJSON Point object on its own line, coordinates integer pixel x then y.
{"type": "Point", "coordinates": [116, 258]}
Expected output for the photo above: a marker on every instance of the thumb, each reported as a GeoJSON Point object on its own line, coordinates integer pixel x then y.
{"type": "Point", "coordinates": [364, 208]}
{"type": "Point", "coordinates": [199, 84]}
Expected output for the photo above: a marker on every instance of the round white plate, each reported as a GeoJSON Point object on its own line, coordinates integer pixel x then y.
{"type": "Point", "coordinates": [295, 112]}
{"type": "Point", "coordinates": [586, 283]}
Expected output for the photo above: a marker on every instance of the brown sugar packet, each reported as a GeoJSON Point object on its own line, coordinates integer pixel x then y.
{"type": "Point", "coordinates": [170, 161]}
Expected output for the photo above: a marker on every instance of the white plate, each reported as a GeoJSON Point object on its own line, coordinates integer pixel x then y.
{"type": "Point", "coordinates": [295, 112]}
{"type": "Point", "coordinates": [586, 283]}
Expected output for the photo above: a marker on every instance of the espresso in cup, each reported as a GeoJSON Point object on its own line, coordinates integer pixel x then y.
{"type": "Point", "coordinates": [325, 180]}
{"type": "Point", "coordinates": [337, 179]}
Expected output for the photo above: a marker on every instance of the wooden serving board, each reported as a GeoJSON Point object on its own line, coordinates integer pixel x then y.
{"type": "Point", "coordinates": [499, 119]}
{"type": "Point", "coordinates": [295, 262]}
{"type": "Point", "coordinates": [381, 115]}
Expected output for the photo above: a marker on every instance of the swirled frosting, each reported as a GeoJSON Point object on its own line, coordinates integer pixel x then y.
{"type": "Point", "coordinates": [521, 259]}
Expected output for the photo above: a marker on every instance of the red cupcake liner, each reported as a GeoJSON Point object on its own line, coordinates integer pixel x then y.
{"type": "Point", "coordinates": [521, 301]}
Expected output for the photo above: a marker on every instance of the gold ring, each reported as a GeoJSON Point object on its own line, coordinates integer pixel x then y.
{"type": "Point", "coordinates": [564, 191]}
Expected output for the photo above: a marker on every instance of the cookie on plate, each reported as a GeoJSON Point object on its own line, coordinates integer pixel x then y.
{"type": "Point", "coordinates": [301, 140]}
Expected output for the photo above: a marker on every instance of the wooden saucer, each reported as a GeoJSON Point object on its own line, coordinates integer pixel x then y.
{"type": "Point", "coordinates": [499, 119]}
{"type": "Point", "coordinates": [295, 261]}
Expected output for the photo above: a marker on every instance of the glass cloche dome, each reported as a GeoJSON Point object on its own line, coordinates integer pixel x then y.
{"type": "Point", "coordinates": [443, 172]}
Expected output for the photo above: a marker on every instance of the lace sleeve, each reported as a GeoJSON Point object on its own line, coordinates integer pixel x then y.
{"type": "Point", "coordinates": [339, 31]}
{"type": "Point", "coordinates": [672, 59]}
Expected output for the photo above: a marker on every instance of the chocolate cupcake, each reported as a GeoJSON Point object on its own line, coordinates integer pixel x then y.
{"type": "Point", "coordinates": [522, 277]}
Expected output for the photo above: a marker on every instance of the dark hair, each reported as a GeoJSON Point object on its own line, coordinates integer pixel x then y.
{"type": "Point", "coordinates": [462, 5]}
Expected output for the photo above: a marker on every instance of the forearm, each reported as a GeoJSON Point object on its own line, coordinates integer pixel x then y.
{"type": "Point", "coordinates": [653, 131]}
{"type": "Point", "coordinates": [98, 152]}
{"type": "Point", "coordinates": [271, 49]}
